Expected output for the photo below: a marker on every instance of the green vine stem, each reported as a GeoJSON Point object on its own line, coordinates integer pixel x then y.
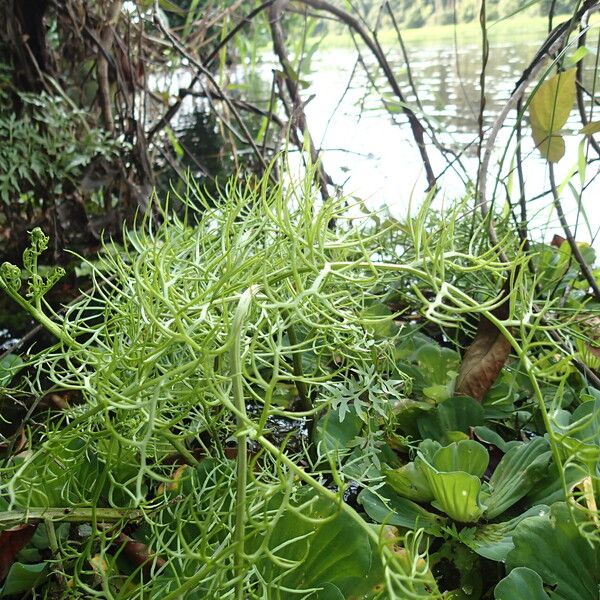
{"type": "Point", "coordinates": [305, 403]}
{"type": "Point", "coordinates": [10, 518]}
{"type": "Point", "coordinates": [237, 389]}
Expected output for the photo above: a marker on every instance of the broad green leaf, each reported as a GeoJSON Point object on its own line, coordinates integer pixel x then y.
{"type": "Point", "coordinates": [177, 148]}
{"type": "Point", "coordinates": [456, 436]}
{"type": "Point", "coordinates": [328, 592]}
{"type": "Point", "coordinates": [579, 54]}
{"type": "Point", "coordinates": [549, 488]}
{"type": "Point", "coordinates": [581, 435]}
{"type": "Point", "coordinates": [8, 368]}
{"type": "Point", "coordinates": [494, 540]}
{"type": "Point", "coordinates": [549, 110]}
{"type": "Point", "coordinates": [378, 318]}
{"type": "Point", "coordinates": [591, 128]}
{"type": "Point", "coordinates": [516, 474]}
{"type": "Point", "coordinates": [521, 583]}
{"type": "Point", "coordinates": [428, 449]}
{"type": "Point", "coordinates": [327, 547]}
{"type": "Point", "coordinates": [334, 434]}
{"type": "Point", "coordinates": [460, 413]}
{"type": "Point", "coordinates": [408, 413]}
{"type": "Point", "coordinates": [409, 482]}
{"type": "Point", "coordinates": [489, 436]}
{"type": "Point", "coordinates": [454, 414]}
{"type": "Point", "coordinates": [467, 455]}
{"type": "Point", "coordinates": [171, 7]}
{"type": "Point", "coordinates": [23, 578]}
{"type": "Point", "coordinates": [437, 365]}
{"type": "Point", "coordinates": [386, 506]}
{"type": "Point", "coordinates": [456, 493]}
{"type": "Point", "coordinates": [551, 545]}
{"type": "Point", "coordinates": [438, 392]}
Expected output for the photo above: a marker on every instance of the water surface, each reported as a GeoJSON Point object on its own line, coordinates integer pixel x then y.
{"type": "Point", "coordinates": [372, 154]}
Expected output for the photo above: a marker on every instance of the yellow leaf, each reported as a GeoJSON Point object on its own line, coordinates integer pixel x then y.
{"type": "Point", "coordinates": [176, 481]}
{"type": "Point", "coordinates": [551, 147]}
{"type": "Point", "coordinates": [591, 128]}
{"type": "Point", "coordinates": [552, 102]}
{"type": "Point", "coordinates": [98, 564]}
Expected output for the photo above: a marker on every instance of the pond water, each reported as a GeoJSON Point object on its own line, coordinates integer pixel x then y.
{"type": "Point", "coordinates": [372, 154]}
{"type": "Point", "coordinates": [376, 156]}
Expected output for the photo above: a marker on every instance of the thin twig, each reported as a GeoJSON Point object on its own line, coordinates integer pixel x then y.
{"type": "Point", "coordinates": [209, 76]}
{"type": "Point", "coordinates": [575, 251]}
{"type": "Point", "coordinates": [174, 108]}
{"type": "Point", "coordinates": [580, 87]}
{"type": "Point", "coordinates": [11, 518]}
{"type": "Point", "coordinates": [485, 54]}
{"type": "Point", "coordinates": [106, 37]}
{"type": "Point", "coordinates": [522, 222]}
{"type": "Point", "coordinates": [299, 116]}
{"type": "Point", "coordinates": [553, 42]}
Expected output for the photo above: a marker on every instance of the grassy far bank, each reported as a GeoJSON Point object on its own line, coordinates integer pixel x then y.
{"type": "Point", "coordinates": [465, 32]}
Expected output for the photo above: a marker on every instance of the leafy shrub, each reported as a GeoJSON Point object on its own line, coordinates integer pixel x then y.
{"type": "Point", "coordinates": [49, 145]}
{"type": "Point", "coordinates": [442, 17]}
{"type": "Point", "coordinates": [509, 7]}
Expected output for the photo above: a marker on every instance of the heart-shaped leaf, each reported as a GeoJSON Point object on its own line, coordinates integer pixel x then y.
{"type": "Point", "coordinates": [494, 540]}
{"type": "Point", "coordinates": [326, 547]}
{"type": "Point", "coordinates": [549, 110]}
{"type": "Point", "coordinates": [551, 545]}
{"type": "Point", "coordinates": [8, 368]}
{"type": "Point", "coordinates": [521, 583]}
{"type": "Point", "coordinates": [456, 414]}
{"type": "Point", "coordinates": [410, 482]}
{"type": "Point", "coordinates": [591, 128]}
{"type": "Point", "coordinates": [23, 578]}
{"type": "Point", "coordinates": [386, 506]}
{"type": "Point", "coordinates": [467, 455]}
{"type": "Point", "coordinates": [457, 494]}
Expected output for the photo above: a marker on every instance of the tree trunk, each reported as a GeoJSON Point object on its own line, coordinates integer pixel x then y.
{"type": "Point", "coordinates": [23, 41]}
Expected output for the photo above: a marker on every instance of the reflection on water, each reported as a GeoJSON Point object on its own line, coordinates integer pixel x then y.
{"type": "Point", "coordinates": [371, 152]}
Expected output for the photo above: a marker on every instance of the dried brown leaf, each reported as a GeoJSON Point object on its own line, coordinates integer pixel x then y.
{"type": "Point", "coordinates": [139, 554]}
{"type": "Point", "coordinates": [486, 355]}
{"type": "Point", "coordinates": [11, 542]}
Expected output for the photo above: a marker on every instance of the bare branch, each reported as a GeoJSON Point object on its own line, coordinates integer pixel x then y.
{"type": "Point", "coordinates": [575, 251]}
{"type": "Point", "coordinates": [298, 115]}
